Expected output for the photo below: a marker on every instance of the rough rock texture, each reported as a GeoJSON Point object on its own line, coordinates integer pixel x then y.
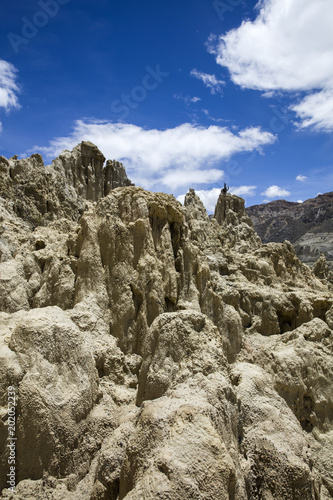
{"type": "Point", "coordinates": [38, 194]}
{"type": "Point", "coordinates": [308, 225]}
{"type": "Point", "coordinates": [115, 176]}
{"type": "Point", "coordinates": [321, 269]}
{"type": "Point", "coordinates": [155, 352]}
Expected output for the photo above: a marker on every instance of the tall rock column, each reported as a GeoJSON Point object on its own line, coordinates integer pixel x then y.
{"type": "Point", "coordinates": [227, 207]}
{"type": "Point", "coordinates": [231, 215]}
{"type": "Point", "coordinates": [83, 169]}
{"type": "Point", "coordinates": [92, 170]}
{"type": "Point", "coordinates": [115, 176]}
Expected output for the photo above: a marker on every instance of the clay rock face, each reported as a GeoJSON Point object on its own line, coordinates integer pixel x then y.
{"type": "Point", "coordinates": [37, 193]}
{"type": "Point", "coordinates": [127, 257]}
{"type": "Point", "coordinates": [155, 352]}
{"type": "Point", "coordinates": [115, 176]}
{"type": "Point", "coordinates": [40, 194]}
{"type": "Point", "coordinates": [299, 364]}
{"type": "Point", "coordinates": [182, 345]}
{"type": "Point", "coordinates": [83, 169]}
{"type": "Point", "coordinates": [230, 214]}
{"type": "Point", "coordinates": [58, 388]}
{"type": "Point", "coordinates": [276, 462]}
{"type": "Point", "coordinates": [322, 270]}
{"type": "Point", "coordinates": [189, 416]}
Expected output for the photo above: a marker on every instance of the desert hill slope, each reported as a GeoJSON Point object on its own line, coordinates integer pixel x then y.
{"type": "Point", "coordinates": [155, 352]}
{"type": "Point", "coordinates": [308, 225]}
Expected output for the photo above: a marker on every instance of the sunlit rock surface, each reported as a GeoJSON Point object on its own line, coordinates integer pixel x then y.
{"type": "Point", "coordinates": [155, 352]}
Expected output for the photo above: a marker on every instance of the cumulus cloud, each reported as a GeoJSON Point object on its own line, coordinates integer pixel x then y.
{"type": "Point", "coordinates": [316, 111]}
{"type": "Point", "coordinates": [210, 81]}
{"type": "Point", "coordinates": [275, 192]}
{"type": "Point", "coordinates": [186, 155]}
{"type": "Point", "coordinates": [8, 86]}
{"type": "Point", "coordinates": [179, 178]}
{"type": "Point", "coordinates": [288, 47]}
{"type": "Point", "coordinates": [244, 190]}
{"type": "Point", "coordinates": [301, 178]}
{"type": "Point", "coordinates": [209, 196]}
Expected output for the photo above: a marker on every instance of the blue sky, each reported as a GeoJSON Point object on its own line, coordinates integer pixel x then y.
{"type": "Point", "coordinates": [187, 94]}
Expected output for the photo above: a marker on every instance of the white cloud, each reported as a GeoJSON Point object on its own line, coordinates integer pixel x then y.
{"type": "Point", "coordinates": [209, 196]}
{"type": "Point", "coordinates": [316, 111]}
{"type": "Point", "coordinates": [288, 47]}
{"type": "Point", "coordinates": [210, 81]}
{"type": "Point", "coordinates": [275, 192]}
{"type": "Point", "coordinates": [301, 178]}
{"type": "Point", "coordinates": [299, 201]}
{"type": "Point", "coordinates": [8, 86]}
{"type": "Point", "coordinates": [186, 155]}
{"type": "Point", "coordinates": [178, 178]}
{"type": "Point", "coordinates": [243, 190]}
{"type": "Point", "coordinates": [268, 94]}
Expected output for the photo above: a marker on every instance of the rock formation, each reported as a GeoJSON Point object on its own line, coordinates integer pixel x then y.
{"type": "Point", "coordinates": [308, 225]}
{"type": "Point", "coordinates": [115, 176]}
{"type": "Point", "coordinates": [155, 352]}
{"type": "Point", "coordinates": [40, 194]}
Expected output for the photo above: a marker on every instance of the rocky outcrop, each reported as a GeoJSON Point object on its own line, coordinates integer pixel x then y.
{"type": "Point", "coordinates": [230, 213]}
{"type": "Point", "coordinates": [39, 194]}
{"type": "Point", "coordinates": [321, 269]}
{"type": "Point", "coordinates": [115, 176]}
{"type": "Point", "coordinates": [158, 353]}
{"type": "Point", "coordinates": [83, 170]}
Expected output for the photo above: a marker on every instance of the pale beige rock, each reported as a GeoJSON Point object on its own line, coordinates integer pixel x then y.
{"type": "Point", "coordinates": [188, 416]}
{"type": "Point", "coordinates": [276, 462]}
{"type": "Point", "coordinates": [58, 387]}
{"type": "Point", "coordinates": [238, 228]}
{"type": "Point", "coordinates": [115, 176]}
{"type": "Point", "coordinates": [301, 368]}
{"type": "Point", "coordinates": [43, 193]}
{"type": "Point", "coordinates": [83, 169]}
{"type": "Point", "coordinates": [156, 353]}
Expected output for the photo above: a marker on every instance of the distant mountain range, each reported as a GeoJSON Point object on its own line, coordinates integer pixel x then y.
{"type": "Point", "coordinates": [308, 225]}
